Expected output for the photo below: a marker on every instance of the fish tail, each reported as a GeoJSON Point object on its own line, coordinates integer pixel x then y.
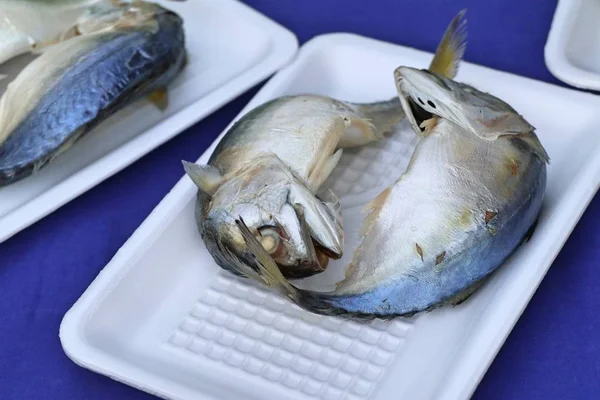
{"type": "Point", "coordinates": [451, 48]}
{"type": "Point", "coordinates": [382, 115]}
{"type": "Point", "coordinates": [267, 272]}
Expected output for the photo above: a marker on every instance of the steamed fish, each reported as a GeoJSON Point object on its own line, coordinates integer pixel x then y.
{"type": "Point", "coordinates": [29, 24]}
{"type": "Point", "coordinates": [470, 196]}
{"type": "Point", "coordinates": [78, 83]}
{"type": "Point", "coordinates": [271, 163]}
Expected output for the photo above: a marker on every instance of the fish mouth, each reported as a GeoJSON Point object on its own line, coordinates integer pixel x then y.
{"type": "Point", "coordinates": [416, 114]}
{"type": "Point", "coordinates": [315, 259]}
{"type": "Point", "coordinates": [291, 246]}
{"type": "Point", "coordinates": [419, 114]}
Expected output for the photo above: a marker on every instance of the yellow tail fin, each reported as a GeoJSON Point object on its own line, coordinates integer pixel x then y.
{"type": "Point", "coordinates": [451, 49]}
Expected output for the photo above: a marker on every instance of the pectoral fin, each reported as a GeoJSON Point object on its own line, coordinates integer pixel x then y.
{"type": "Point", "coordinates": [325, 228]}
{"type": "Point", "coordinates": [319, 175]}
{"type": "Point", "coordinates": [206, 177]}
{"type": "Point", "coordinates": [160, 99]}
{"type": "Point", "coordinates": [333, 205]}
{"type": "Point", "coordinates": [377, 120]}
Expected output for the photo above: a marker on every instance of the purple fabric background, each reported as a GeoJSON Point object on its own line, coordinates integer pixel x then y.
{"type": "Point", "coordinates": [554, 350]}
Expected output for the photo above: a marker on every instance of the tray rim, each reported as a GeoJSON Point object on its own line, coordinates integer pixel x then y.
{"type": "Point", "coordinates": [469, 367]}
{"type": "Point", "coordinates": [283, 48]}
{"type": "Point", "coordinates": [555, 47]}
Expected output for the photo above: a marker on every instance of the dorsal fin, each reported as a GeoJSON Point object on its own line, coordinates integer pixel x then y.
{"type": "Point", "coordinates": [452, 48]}
{"type": "Point", "coordinates": [206, 177]}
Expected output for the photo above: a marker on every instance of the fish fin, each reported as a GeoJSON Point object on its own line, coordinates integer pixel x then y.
{"type": "Point", "coordinates": [324, 228]}
{"type": "Point", "coordinates": [319, 175]}
{"type": "Point", "coordinates": [467, 293]}
{"type": "Point", "coordinates": [385, 115]}
{"type": "Point", "coordinates": [382, 117]}
{"type": "Point", "coordinates": [332, 202]}
{"type": "Point", "coordinates": [531, 231]}
{"type": "Point", "coordinates": [452, 47]}
{"type": "Point", "coordinates": [206, 177]}
{"type": "Point", "coordinates": [306, 238]}
{"type": "Point", "coordinates": [267, 271]}
{"type": "Point", "coordinates": [159, 98]}
{"type": "Point", "coordinates": [358, 127]}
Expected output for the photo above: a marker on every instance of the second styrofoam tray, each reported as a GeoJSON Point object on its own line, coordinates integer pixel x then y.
{"type": "Point", "coordinates": [222, 64]}
{"type": "Point", "coordinates": [164, 318]}
{"type": "Point", "coordinates": [572, 51]}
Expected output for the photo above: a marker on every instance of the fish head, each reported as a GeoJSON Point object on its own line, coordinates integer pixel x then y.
{"type": "Point", "coordinates": [425, 94]}
{"type": "Point", "coordinates": [298, 230]}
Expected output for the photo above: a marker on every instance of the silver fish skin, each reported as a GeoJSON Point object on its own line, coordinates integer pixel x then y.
{"type": "Point", "coordinates": [75, 85]}
{"type": "Point", "coordinates": [467, 200]}
{"type": "Point", "coordinates": [270, 164]}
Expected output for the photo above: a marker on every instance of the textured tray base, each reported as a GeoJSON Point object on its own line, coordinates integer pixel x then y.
{"type": "Point", "coordinates": [253, 332]}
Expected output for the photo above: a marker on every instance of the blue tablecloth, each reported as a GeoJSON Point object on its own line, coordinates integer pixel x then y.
{"type": "Point", "coordinates": [553, 352]}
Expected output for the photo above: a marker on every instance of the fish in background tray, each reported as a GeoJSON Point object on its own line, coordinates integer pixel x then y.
{"type": "Point", "coordinates": [470, 196]}
{"type": "Point", "coordinates": [269, 166]}
{"type": "Point", "coordinates": [119, 54]}
{"type": "Point", "coordinates": [29, 25]}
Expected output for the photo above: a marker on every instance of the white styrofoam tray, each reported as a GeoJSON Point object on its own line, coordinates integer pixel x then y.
{"type": "Point", "coordinates": [223, 63]}
{"type": "Point", "coordinates": [572, 50]}
{"type": "Point", "coordinates": [164, 318]}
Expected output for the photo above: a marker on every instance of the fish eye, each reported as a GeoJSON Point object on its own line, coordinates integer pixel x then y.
{"type": "Point", "coordinates": [270, 239]}
{"type": "Point", "coordinates": [431, 104]}
{"type": "Point", "coordinates": [420, 101]}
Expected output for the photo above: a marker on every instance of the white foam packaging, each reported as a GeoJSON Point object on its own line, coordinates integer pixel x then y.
{"type": "Point", "coordinates": [572, 51]}
{"type": "Point", "coordinates": [223, 63]}
{"type": "Point", "coordinates": [162, 317]}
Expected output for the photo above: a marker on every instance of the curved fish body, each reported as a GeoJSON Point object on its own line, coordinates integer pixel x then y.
{"type": "Point", "coordinates": [27, 24]}
{"type": "Point", "coordinates": [76, 84]}
{"type": "Point", "coordinates": [471, 194]}
{"type": "Point", "coordinates": [270, 164]}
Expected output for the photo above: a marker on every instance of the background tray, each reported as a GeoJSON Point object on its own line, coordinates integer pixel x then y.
{"type": "Point", "coordinates": [163, 317]}
{"type": "Point", "coordinates": [572, 52]}
{"type": "Point", "coordinates": [223, 63]}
